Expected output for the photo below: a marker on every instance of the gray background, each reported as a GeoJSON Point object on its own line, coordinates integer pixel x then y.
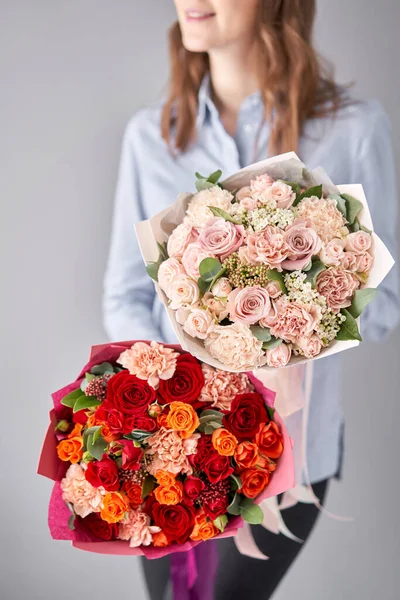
{"type": "Point", "coordinates": [71, 75]}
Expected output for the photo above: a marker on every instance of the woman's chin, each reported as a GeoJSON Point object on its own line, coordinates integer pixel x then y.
{"type": "Point", "coordinates": [197, 44]}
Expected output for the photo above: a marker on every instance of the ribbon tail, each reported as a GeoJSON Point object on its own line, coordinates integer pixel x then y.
{"type": "Point", "coordinates": [273, 520]}
{"type": "Point", "coordinates": [183, 574]}
{"type": "Point", "coordinates": [246, 544]}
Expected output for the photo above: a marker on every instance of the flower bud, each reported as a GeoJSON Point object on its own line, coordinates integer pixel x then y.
{"type": "Point", "coordinates": [155, 410]}
{"type": "Point", "coordinates": [63, 426]}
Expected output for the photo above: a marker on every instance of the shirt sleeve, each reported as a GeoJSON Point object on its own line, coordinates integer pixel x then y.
{"type": "Point", "coordinates": [128, 291]}
{"type": "Point", "coordinates": [375, 170]}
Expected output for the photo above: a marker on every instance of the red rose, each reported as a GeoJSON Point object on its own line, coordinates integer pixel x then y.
{"type": "Point", "coordinates": [145, 423]}
{"type": "Point", "coordinates": [192, 488]}
{"type": "Point", "coordinates": [129, 394]}
{"type": "Point", "coordinates": [203, 451]}
{"type": "Point", "coordinates": [117, 422]}
{"type": "Point", "coordinates": [104, 473]}
{"type": "Point", "coordinates": [217, 467]}
{"type": "Point", "coordinates": [131, 455]}
{"type": "Point", "coordinates": [176, 521]}
{"type": "Point", "coordinates": [215, 506]}
{"type": "Point", "coordinates": [186, 383]}
{"type": "Point", "coordinates": [101, 529]}
{"type": "Point", "coordinates": [246, 414]}
{"type": "Point", "coordinates": [80, 417]}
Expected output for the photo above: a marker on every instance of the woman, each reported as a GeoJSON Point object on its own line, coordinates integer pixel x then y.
{"type": "Point", "coordinates": [245, 83]}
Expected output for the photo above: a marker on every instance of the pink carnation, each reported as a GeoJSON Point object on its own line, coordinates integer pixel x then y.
{"type": "Point", "coordinates": [267, 247]}
{"type": "Point", "coordinates": [295, 320]}
{"type": "Point", "coordinates": [136, 528]}
{"type": "Point", "coordinates": [221, 238]}
{"type": "Point", "coordinates": [337, 286]}
{"type": "Point", "coordinates": [221, 387]}
{"type": "Point", "coordinates": [151, 362]}
{"type": "Point", "coordinates": [249, 305]}
{"type": "Point", "coordinates": [80, 493]}
{"type": "Point", "coordinates": [303, 243]}
{"type": "Point", "coordinates": [169, 454]}
{"type": "Point", "coordinates": [190, 444]}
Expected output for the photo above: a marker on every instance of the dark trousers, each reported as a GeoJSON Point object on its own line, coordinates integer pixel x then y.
{"type": "Point", "coordinates": [241, 577]}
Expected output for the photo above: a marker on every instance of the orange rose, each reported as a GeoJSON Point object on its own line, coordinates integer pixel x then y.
{"type": "Point", "coordinates": [134, 493]}
{"type": "Point", "coordinates": [160, 540]}
{"type": "Point", "coordinates": [203, 529]}
{"type": "Point", "coordinates": [77, 431]}
{"type": "Point", "coordinates": [169, 494]}
{"type": "Point", "coordinates": [162, 421]}
{"type": "Point", "coordinates": [270, 440]}
{"type": "Point", "coordinates": [106, 433]}
{"type": "Point", "coordinates": [183, 418]}
{"type": "Point", "coordinates": [224, 442]}
{"type": "Point", "coordinates": [165, 478]}
{"type": "Point", "coordinates": [266, 463]}
{"type": "Point", "coordinates": [246, 455]}
{"type": "Point", "coordinates": [71, 449]}
{"type": "Point", "coordinates": [92, 421]}
{"type": "Point", "coordinates": [254, 481]}
{"type": "Point", "coordinates": [115, 505]}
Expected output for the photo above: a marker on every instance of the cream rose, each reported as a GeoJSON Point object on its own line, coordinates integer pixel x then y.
{"type": "Point", "coordinates": [183, 292]}
{"type": "Point", "coordinates": [261, 183]}
{"type": "Point", "coordinates": [274, 289]}
{"type": "Point", "coordinates": [337, 286]}
{"type": "Point", "coordinates": [332, 252]}
{"type": "Point", "coordinates": [169, 269]}
{"type": "Point", "coordinates": [267, 247]}
{"type": "Point", "coordinates": [310, 346]}
{"type": "Point", "coordinates": [192, 258]}
{"type": "Point", "coordinates": [218, 306]}
{"type": "Point", "coordinates": [279, 357]}
{"type": "Point", "coordinates": [183, 235]}
{"type": "Point", "coordinates": [295, 320]}
{"type": "Point", "coordinates": [249, 305]}
{"type": "Point", "coordinates": [303, 243]}
{"type": "Point", "coordinates": [221, 237]}
{"type": "Point", "coordinates": [282, 194]}
{"type": "Point", "coordinates": [348, 262]}
{"type": "Point", "coordinates": [249, 203]}
{"type": "Point", "coordinates": [198, 212]}
{"type": "Point", "coordinates": [364, 262]}
{"type": "Point", "coordinates": [221, 288]}
{"type": "Point", "coordinates": [244, 192]}
{"type": "Point", "coordinates": [198, 323]}
{"type": "Point", "coordinates": [235, 346]}
{"type": "Point", "coordinates": [358, 242]}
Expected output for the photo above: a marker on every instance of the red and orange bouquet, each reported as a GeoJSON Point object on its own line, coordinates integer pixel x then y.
{"type": "Point", "coordinates": [153, 451]}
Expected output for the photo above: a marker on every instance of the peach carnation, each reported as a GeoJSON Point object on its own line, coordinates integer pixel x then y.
{"type": "Point", "coordinates": [295, 320]}
{"type": "Point", "coordinates": [198, 212]}
{"type": "Point", "coordinates": [80, 493]}
{"type": "Point", "coordinates": [137, 529]}
{"type": "Point", "coordinates": [338, 287]}
{"type": "Point", "coordinates": [168, 450]}
{"type": "Point", "coordinates": [323, 216]}
{"type": "Point", "coordinates": [235, 346]}
{"type": "Point", "coordinates": [221, 387]}
{"type": "Point", "coordinates": [151, 362]}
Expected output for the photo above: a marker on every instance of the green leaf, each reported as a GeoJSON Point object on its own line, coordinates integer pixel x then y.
{"type": "Point", "coordinates": [261, 333]}
{"type": "Point", "coordinates": [218, 276]}
{"type": "Point", "coordinates": [148, 486]}
{"type": "Point", "coordinates": [360, 300]}
{"type": "Point", "coordinates": [271, 412]}
{"type": "Point", "coordinates": [316, 190]}
{"type": "Point", "coordinates": [275, 275]}
{"type": "Point", "coordinates": [307, 267]}
{"type": "Point", "coordinates": [209, 268]}
{"type": "Point", "coordinates": [89, 377]}
{"type": "Point", "coordinates": [102, 369]}
{"type": "Point", "coordinates": [234, 506]}
{"type": "Point", "coordinates": [138, 435]}
{"type": "Point", "coordinates": [71, 523]}
{"type": "Point", "coordinates": [221, 522]}
{"type": "Point", "coordinates": [355, 227]}
{"type": "Point", "coordinates": [70, 399]}
{"type": "Point", "coordinates": [152, 270]}
{"type": "Point", "coordinates": [295, 186]}
{"type": "Point", "coordinates": [316, 269]}
{"type": "Point", "coordinates": [273, 343]}
{"type": "Point", "coordinates": [349, 329]}
{"type": "Point", "coordinates": [97, 434]}
{"type": "Point", "coordinates": [215, 177]}
{"type": "Point", "coordinates": [250, 512]}
{"type": "Point", "coordinates": [96, 448]}
{"type": "Point", "coordinates": [86, 402]}
{"type": "Point", "coordinates": [204, 286]}
{"type": "Point", "coordinates": [340, 204]}
{"type": "Point", "coordinates": [365, 229]}
{"type": "Point", "coordinates": [162, 248]}
{"type": "Point", "coordinates": [210, 420]}
{"type": "Point", "coordinates": [236, 482]}
{"type": "Point", "coordinates": [353, 207]}
{"type": "Point", "coordinates": [211, 413]}
{"type": "Point", "coordinates": [219, 212]}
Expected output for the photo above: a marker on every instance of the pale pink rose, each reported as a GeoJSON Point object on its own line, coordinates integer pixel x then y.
{"type": "Point", "coordinates": [348, 262]}
{"type": "Point", "coordinates": [80, 493]}
{"type": "Point", "coordinates": [267, 247]}
{"type": "Point", "coordinates": [310, 346]}
{"type": "Point", "coordinates": [281, 193]}
{"type": "Point", "coordinates": [221, 238]}
{"type": "Point", "coordinates": [183, 235]}
{"type": "Point", "coordinates": [168, 453]}
{"type": "Point", "coordinates": [192, 258]}
{"type": "Point", "coordinates": [183, 292]}
{"type": "Point", "coordinates": [364, 262]}
{"type": "Point", "coordinates": [295, 320]}
{"type": "Point", "coordinates": [279, 357]}
{"type": "Point", "coordinates": [221, 288]}
{"type": "Point", "coordinates": [261, 183]}
{"type": "Point", "coordinates": [169, 269]}
{"type": "Point", "coordinates": [274, 289]}
{"type": "Point", "coordinates": [249, 305]}
{"type": "Point", "coordinates": [190, 444]}
{"type": "Point", "coordinates": [150, 362]}
{"type": "Point", "coordinates": [198, 212]}
{"type": "Point", "coordinates": [337, 286]}
{"type": "Point", "coordinates": [217, 306]}
{"type": "Point", "coordinates": [303, 243]}
{"type": "Point", "coordinates": [358, 242]}
{"type": "Point", "coordinates": [244, 192]}
{"type": "Point", "coordinates": [332, 253]}
{"type": "Point", "coordinates": [136, 528]}
{"type": "Point", "coordinates": [322, 215]}
{"type": "Point", "coordinates": [235, 346]}
{"type": "Point", "coordinates": [221, 387]}
{"type": "Point", "coordinates": [249, 203]}
{"type": "Point", "coordinates": [199, 323]}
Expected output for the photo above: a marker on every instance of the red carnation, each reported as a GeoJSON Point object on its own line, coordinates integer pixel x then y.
{"type": "Point", "coordinates": [217, 467]}
{"type": "Point", "coordinates": [101, 529]}
{"type": "Point", "coordinates": [192, 488]}
{"type": "Point", "coordinates": [104, 473]}
{"type": "Point", "coordinates": [246, 414]}
{"type": "Point", "coordinates": [129, 394]}
{"type": "Point", "coordinates": [176, 521]}
{"type": "Point", "coordinates": [186, 383]}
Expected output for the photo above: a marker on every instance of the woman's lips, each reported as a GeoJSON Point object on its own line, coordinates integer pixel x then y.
{"type": "Point", "coordinates": [197, 15]}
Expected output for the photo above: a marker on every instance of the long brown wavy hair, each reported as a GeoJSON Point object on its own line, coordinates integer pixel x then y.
{"type": "Point", "coordinates": [295, 84]}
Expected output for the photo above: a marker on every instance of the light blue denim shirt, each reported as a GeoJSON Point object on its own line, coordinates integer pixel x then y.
{"type": "Point", "coordinates": [354, 147]}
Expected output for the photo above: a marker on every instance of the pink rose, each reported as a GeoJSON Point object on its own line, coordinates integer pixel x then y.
{"type": "Point", "coordinates": [217, 306]}
{"type": "Point", "coordinates": [180, 238]}
{"type": "Point", "coordinates": [169, 269]}
{"type": "Point", "coordinates": [358, 242]}
{"type": "Point", "coordinates": [249, 305]}
{"type": "Point", "coordinates": [192, 258]}
{"type": "Point", "coordinates": [303, 243]}
{"type": "Point", "coordinates": [261, 183]}
{"type": "Point", "coordinates": [244, 192]}
{"type": "Point", "coordinates": [267, 247]}
{"type": "Point", "coordinates": [348, 262]}
{"type": "Point", "coordinates": [198, 323]}
{"type": "Point", "coordinates": [364, 262]}
{"type": "Point", "coordinates": [295, 320]}
{"type": "Point", "coordinates": [222, 288]}
{"type": "Point", "coordinates": [278, 357]}
{"type": "Point", "coordinates": [221, 237]}
{"type": "Point", "coordinates": [249, 203]}
{"type": "Point", "coordinates": [310, 346]}
{"type": "Point", "coordinates": [337, 286]}
{"type": "Point", "coordinates": [183, 292]}
{"type": "Point", "coordinates": [274, 289]}
{"type": "Point", "coordinates": [332, 252]}
{"type": "Point", "coordinates": [282, 194]}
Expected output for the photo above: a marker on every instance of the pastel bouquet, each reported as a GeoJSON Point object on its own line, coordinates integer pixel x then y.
{"type": "Point", "coordinates": [271, 267]}
{"type": "Point", "coordinates": [154, 452]}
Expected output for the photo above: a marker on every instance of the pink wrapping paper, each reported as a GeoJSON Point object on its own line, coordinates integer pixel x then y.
{"type": "Point", "coordinates": [51, 467]}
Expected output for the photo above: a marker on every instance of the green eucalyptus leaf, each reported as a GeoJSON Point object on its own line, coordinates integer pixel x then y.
{"type": "Point", "coordinates": [361, 299]}
{"type": "Point", "coordinates": [89, 377]}
{"type": "Point", "coordinates": [234, 506]}
{"type": "Point", "coordinates": [261, 333]}
{"type": "Point", "coordinates": [204, 286]}
{"type": "Point", "coordinates": [307, 267]}
{"type": "Point", "coordinates": [218, 276]}
{"type": "Point", "coordinates": [340, 204]}
{"type": "Point", "coordinates": [96, 448]}
{"type": "Point", "coordinates": [316, 269]}
{"type": "Point", "coordinates": [152, 269]}
{"type": "Point", "coordinates": [215, 177]}
{"type": "Point", "coordinates": [272, 343]}
{"type": "Point", "coordinates": [85, 402]}
{"type": "Point", "coordinates": [219, 212]}
{"type": "Point", "coordinates": [138, 435]}
{"type": "Point", "coordinates": [70, 399]}
{"type": "Point", "coordinates": [316, 190]}
{"type": "Point", "coordinates": [250, 512]}
{"type": "Point", "coordinates": [271, 412]}
{"type": "Point", "coordinates": [71, 523]}
{"type": "Point", "coordinates": [162, 248]}
{"type": "Point", "coordinates": [275, 275]}
{"type": "Point", "coordinates": [355, 227]}
{"type": "Point", "coordinates": [148, 486]}
{"type": "Point", "coordinates": [221, 522]}
{"type": "Point", "coordinates": [236, 482]}
{"type": "Point", "coordinates": [349, 329]}
{"type": "Point", "coordinates": [353, 207]}
{"type": "Point", "coordinates": [209, 269]}
{"type": "Point", "coordinates": [210, 412]}
{"type": "Point", "coordinates": [102, 369]}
